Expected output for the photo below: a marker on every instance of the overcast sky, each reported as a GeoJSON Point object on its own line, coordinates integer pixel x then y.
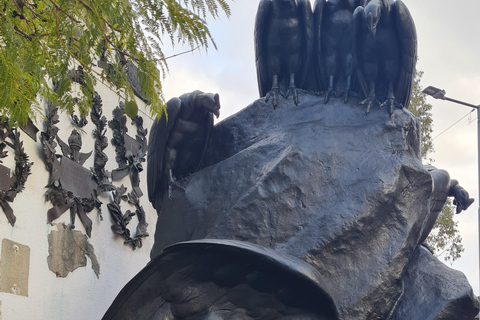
{"type": "Point", "coordinates": [448, 47]}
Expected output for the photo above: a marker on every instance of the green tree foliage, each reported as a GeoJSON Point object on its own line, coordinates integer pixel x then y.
{"type": "Point", "coordinates": [445, 239]}
{"type": "Point", "coordinates": [422, 110]}
{"type": "Point", "coordinates": [41, 40]}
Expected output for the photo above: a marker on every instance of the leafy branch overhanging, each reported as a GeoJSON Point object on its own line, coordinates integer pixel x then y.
{"type": "Point", "coordinates": [40, 41]}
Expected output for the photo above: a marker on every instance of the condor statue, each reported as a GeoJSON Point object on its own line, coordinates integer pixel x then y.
{"type": "Point", "coordinates": [333, 49]}
{"type": "Point", "coordinates": [177, 143]}
{"type": "Point", "coordinates": [385, 42]}
{"type": "Point", "coordinates": [283, 47]}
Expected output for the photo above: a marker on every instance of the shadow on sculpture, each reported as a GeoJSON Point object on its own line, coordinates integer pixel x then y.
{"type": "Point", "coordinates": [221, 279]}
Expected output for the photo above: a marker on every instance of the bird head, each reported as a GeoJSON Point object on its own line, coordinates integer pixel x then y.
{"type": "Point", "coordinates": [211, 103]}
{"type": "Point", "coordinates": [372, 16]}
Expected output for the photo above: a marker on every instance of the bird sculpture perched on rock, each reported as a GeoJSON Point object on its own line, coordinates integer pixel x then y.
{"type": "Point", "coordinates": [283, 46]}
{"type": "Point", "coordinates": [386, 52]}
{"type": "Point", "coordinates": [177, 143]}
{"type": "Point", "coordinates": [333, 50]}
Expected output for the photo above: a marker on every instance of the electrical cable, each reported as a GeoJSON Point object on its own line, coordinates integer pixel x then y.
{"type": "Point", "coordinates": [438, 135]}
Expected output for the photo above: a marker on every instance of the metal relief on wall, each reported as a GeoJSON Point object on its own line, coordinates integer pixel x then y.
{"type": "Point", "coordinates": [130, 154]}
{"type": "Point", "coordinates": [11, 186]}
{"type": "Point", "coordinates": [71, 186]}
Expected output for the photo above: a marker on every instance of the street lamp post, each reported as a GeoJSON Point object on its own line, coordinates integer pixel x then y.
{"type": "Point", "coordinates": [440, 94]}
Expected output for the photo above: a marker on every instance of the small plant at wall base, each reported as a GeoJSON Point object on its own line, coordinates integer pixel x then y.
{"type": "Point", "coordinates": [41, 40]}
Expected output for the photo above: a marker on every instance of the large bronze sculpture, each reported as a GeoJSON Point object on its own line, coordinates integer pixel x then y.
{"type": "Point", "coordinates": [386, 53]}
{"type": "Point", "coordinates": [301, 213]}
{"type": "Point", "coordinates": [177, 144]}
{"type": "Point", "coordinates": [283, 46]}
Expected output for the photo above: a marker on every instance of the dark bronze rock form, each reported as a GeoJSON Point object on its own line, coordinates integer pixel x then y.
{"type": "Point", "coordinates": [177, 145]}
{"type": "Point", "coordinates": [283, 46]}
{"type": "Point", "coordinates": [433, 291]}
{"type": "Point", "coordinates": [224, 280]}
{"type": "Point", "coordinates": [386, 52]}
{"type": "Point", "coordinates": [333, 31]}
{"type": "Point", "coordinates": [11, 186]}
{"type": "Point", "coordinates": [354, 206]}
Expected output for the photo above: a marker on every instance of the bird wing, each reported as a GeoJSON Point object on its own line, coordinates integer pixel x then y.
{"type": "Point", "coordinates": [157, 143]}
{"type": "Point", "coordinates": [261, 54]}
{"type": "Point", "coordinates": [222, 279]}
{"type": "Point", "coordinates": [317, 31]}
{"type": "Point", "coordinates": [408, 44]}
{"type": "Point", "coordinates": [358, 29]}
{"type": "Point", "coordinates": [208, 130]}
{"type": "Point", "coordinates": [306, 76]}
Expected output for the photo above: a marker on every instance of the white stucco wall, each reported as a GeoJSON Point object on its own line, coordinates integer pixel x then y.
{"type": "Point", "coordinates": [80, 295]}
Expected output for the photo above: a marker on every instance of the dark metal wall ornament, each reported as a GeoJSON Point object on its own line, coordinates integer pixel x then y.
{"type": "Point", "coordinates": [130, 154]}
{"type": "Point", "coordinates": [121, 220]}
{"type": "Point", "coordinates": [100, 175]}
{"type": "Point", "coordinates": [11, 186]}
{"type": "Point", "coordinates": [71, 186]}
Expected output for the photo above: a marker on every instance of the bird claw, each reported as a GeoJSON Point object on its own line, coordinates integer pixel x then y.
{"type": "Point", "coordinates": [170, 188]}
{"type": "Point", "coordinates": [329, 93]}
{"type": "Point", "coordinates": [294, 92]}
{"type": "Point", "coordinates": [370, 102]}
{"type": "Point", "coordinates": [273, 93]}
{"type": "Point", "coordinates": [390, 103]}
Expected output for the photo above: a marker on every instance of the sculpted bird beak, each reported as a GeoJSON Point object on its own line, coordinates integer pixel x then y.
{"type": "Point", "coordinates": [211, 102]}
{"type": "Point", "coordinates": [217, 104]}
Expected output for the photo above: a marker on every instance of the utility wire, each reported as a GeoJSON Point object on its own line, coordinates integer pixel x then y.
{"type": "Point", "coordinates": [438, 135]}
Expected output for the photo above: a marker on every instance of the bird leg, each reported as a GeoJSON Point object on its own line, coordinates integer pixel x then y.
{"type": "Point", "coordinates": [273, 92]}
{"type": "Point", "coordinates": [292, 89]}
{"type": "Point", "coordinates": [170, 156]}
{"type": "Point", "coordinates": [371, 100]}
{"type": "Point", "coordinates": [349, 93]}
{"type": "Point", "coordinates": [390, 102]}
{"type": "Point", "coordinates": [172, 183]}
{"type": "Point", "coordinates": [330, 89]}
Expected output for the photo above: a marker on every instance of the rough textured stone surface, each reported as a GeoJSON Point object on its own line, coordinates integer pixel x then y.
{"type": "Point", "coordinates": [344, 192]}
{"type": "Point", "coordinates": [434, 291]}
{"type": "Point", "coordinates": [68, 250]}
